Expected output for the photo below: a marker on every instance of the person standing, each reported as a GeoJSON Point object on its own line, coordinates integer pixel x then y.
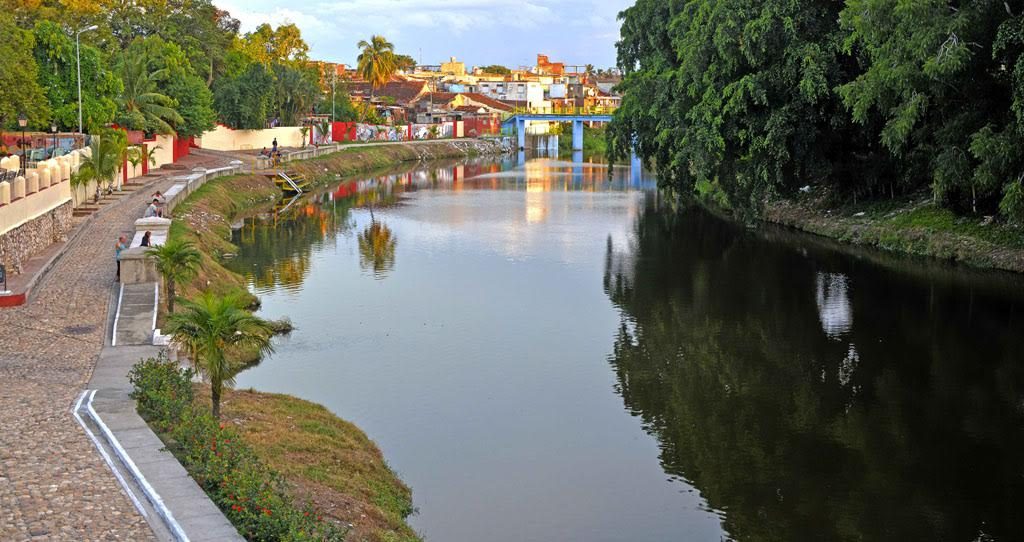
{"type": "Point", "coordinates": [122, 243]}
{"type": "Point", "coordinates": [273, 147]}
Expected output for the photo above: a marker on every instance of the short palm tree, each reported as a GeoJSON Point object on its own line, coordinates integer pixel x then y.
{"type": "Point", "coordinates": [210, 325]}
{"type": "Point", "coordinates": [107, 152]}
{"type": "Point", "coordinates": [141, 107]}
{"type": "Point", "coordinates": [177, 261]}
{"type": "Point", "coordinates": [376, 63]}
{"type": "Point", "coordinates": [136, 155]}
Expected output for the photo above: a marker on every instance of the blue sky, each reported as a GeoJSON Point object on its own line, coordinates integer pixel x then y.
{"type": "Point", "coordinates": [509, 32]}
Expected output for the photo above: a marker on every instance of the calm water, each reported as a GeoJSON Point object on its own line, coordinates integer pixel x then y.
{"type": "Point", "coordinates": [543, 354]}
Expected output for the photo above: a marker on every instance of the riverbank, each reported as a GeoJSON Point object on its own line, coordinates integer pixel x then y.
{"type": "Point", "coordinates": [911, 225]}
{"type": "Point", "coordinates": [327, 462]}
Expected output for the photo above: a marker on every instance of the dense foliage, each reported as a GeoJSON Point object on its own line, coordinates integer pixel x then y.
{"type": "Point", "coordinates": [251, 495]}
{"type": "Point", "coordinates": [747, 100]}
{"type": "Point", "coordinates": [160, 66]}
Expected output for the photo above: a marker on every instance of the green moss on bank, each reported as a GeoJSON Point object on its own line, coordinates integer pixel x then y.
{"type": "Point", "coordinates": [911, 226]}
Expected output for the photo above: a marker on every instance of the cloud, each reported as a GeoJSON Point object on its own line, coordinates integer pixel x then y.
{"type": "Point", "coordinates": [480, 31]}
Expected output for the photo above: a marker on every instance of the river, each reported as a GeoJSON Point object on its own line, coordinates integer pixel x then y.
{"type": "Point", "coordinates": [545, 352]}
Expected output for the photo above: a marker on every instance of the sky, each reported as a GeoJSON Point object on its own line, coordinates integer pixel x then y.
{"type": "Point", "coordinates": [478, 32]}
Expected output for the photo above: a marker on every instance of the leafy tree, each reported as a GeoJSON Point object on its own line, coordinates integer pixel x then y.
{"type": "Point", "coordinates": [405, 63]}
{"type": "Point", "coordinates": [244, 99]}
{"type": "Point", "coordinates": [175, 78]}
{"type": "Point", "coordinates": [496, 69]}
{"type": "Point", "coordinates": [295, 92]}
{"type": "Point", "coordinates": [107, 153]}
{"type": "Point", "coordinates": [141, 106]}
{"type": "Point", "coordinates": [376, 62]}
{"type": "Point", "coordinates": [941, 82]}
{"type": "Point", "coordinates": [209, 327]}
{"type": "Point", "coordinates": [737, 96]}
{"type": "Point", "coordinates": [20, 92]}
{"type": "Point", "coordinates": [344, 110]}
{"type": "Point", "coordinates": [177, 261]}
{"type": "Point", "coordinates": [58, 75]}
{"type": "Point", "coordinates": [283, 45]}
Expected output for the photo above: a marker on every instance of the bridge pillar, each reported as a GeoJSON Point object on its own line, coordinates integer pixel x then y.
{"type": "Point", "coordinates": [577, 135]}
{"type": "Point", "coordinates": [521, 132]}
{"type": "Point", "coordinates": [577, 166]}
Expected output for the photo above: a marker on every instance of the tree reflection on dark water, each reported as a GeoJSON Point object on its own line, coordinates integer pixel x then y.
{"type": "Point", "coordinates": [812, 395]}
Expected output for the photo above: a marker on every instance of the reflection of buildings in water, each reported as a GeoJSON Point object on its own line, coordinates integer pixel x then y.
{"type": "Point", "coordinates": [833, 299]}
{"type": "Point", "coordinates": [536, 201]}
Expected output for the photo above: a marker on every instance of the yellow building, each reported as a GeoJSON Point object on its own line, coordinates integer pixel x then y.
{"type": "Point", "coordinates": [454, 67]}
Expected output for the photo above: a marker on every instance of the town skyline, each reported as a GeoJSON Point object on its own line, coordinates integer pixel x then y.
{"type": "Point", "coordinates": [574, 31]}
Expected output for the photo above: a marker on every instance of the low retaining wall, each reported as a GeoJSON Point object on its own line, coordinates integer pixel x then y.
{"type": "Point", "coordinates": [33, 236]}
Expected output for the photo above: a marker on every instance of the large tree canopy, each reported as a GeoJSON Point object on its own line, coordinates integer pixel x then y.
{"type": "Point", "coordinates": [742, 99]}
{"type": "Point", "coordinates": [20, 92]}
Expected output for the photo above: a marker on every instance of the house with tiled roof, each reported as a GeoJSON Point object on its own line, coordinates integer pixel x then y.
{"type": "Point", "coordinates": [401, 91]}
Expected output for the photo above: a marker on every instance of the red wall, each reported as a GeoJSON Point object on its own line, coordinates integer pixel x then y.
{"type": "Point", "coordinates": [181, 148]}
{"type": "Point", "coordinates": [343, 131]}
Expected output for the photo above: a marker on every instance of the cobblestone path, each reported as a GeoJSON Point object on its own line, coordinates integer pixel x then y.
{"type": "Point", "coordinates": [53, 483]}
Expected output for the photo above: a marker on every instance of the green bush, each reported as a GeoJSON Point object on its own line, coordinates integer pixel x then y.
{"type": "Point", "coordinates": [253, 497]}
{"type": "Point", "coordinates": [163, 390]}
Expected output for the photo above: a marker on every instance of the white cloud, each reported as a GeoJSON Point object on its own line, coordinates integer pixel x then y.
{"type": "Point", "coordinates": [480, 31]}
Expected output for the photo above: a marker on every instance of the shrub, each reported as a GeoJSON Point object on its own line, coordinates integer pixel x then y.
{"type": "Point", "coordinates": [252, 496]}
{"type": "Point", "coordinates": [163, 390]}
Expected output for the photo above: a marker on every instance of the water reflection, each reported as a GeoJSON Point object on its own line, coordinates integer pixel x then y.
{"type": "Point", "coordinates": [910, 428]}
{"type": "Point", "coordinates": [377, 246]}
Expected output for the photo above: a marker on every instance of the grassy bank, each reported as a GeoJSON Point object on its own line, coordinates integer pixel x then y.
{"type": "Point", "coordinates": [327, 462]}
{"type": "Point", "coordinates": [912, 225]}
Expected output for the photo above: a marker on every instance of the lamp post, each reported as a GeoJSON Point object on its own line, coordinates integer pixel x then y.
{"type": "Point", "coordinates": [53, 129]}
{"type": "Point", "coordinates": [334, 80]}
{"type": "Point", "coordinates": [23, 122]}
{"type": "Point", "coordinates": [78, 60]}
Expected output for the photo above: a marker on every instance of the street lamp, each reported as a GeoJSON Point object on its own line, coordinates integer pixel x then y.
{"type": "Point", "coordinates": [23, 122]}
{"type": "Point", "coordinates": [78, 60]}
{"type": "Point", "coordinates": [53, 128]}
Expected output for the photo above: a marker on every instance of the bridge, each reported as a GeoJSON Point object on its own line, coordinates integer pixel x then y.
{"type": "Point", "coordinates": [519, 121]}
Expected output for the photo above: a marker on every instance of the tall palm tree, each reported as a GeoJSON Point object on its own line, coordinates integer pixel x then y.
{"type": "Point", "coordinates": [210, 325]}
{"type": "Point", "coordinates": [107, 152]}
{"type": "Point", "coordinates": [140, 106]}
{"type": "Point", "coordinates": [177, 261]}
{"type": "Point", "coordinates": [376, 63]}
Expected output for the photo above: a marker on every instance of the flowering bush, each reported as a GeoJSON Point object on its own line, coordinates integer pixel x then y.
{"type": "Point", "coordinates": [253, 497]}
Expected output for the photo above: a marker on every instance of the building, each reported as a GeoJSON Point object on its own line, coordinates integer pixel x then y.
{"type": "Point", "coordinates": [453, 68]}
{"type": "Point", "coordinates": [546, 67]}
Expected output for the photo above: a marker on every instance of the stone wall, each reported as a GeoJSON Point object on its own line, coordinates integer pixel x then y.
{"type": "Point", "coordinates": [32, 237]}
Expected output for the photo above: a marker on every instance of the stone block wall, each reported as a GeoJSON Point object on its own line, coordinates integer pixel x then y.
{"type": "Point", "coordinates": [32, 237]}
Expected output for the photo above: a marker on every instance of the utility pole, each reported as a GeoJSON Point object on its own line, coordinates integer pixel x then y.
{"type": "Point", "coordinates": [334, 80]}
{"type": "Point", "coordinates": [78, 60]}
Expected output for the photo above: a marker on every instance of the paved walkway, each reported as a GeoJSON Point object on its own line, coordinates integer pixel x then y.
{"type": "Point", "coordinates": [53, 484]}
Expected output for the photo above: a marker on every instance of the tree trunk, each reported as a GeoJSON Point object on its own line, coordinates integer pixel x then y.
{"type": "Point", "coordinates": [215, 386]}
{"type": "Point", "coordinates": [170, 296]}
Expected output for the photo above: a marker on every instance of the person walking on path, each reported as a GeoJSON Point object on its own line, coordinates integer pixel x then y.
{"type": "Point", "coordinates": [122, 243]}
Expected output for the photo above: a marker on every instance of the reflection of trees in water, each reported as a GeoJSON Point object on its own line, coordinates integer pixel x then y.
{"type": "Point", "coordinates": [377, 246]}
{"type": "Point", "coordinates": [914, 434]}
{"type": "Point", "coordinates": [277, 251]}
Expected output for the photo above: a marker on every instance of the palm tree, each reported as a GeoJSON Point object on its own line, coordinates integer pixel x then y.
{"type": "Point", "coordinates": [376, 63]}
{"type": "Point", "coordinates": [208, 327]}
{"type": "Point", "coordinates": [141, 107]}
{"type": "Point", "coordinates": [107, 152]}
{"type": "Point", "coordinates": [136, 155]}
{"type": "Point", "coordinates": [177, 261]}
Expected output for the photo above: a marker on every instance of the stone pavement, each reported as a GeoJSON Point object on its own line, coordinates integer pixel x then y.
{"type": "Point", "coordinates": [53, 484]}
